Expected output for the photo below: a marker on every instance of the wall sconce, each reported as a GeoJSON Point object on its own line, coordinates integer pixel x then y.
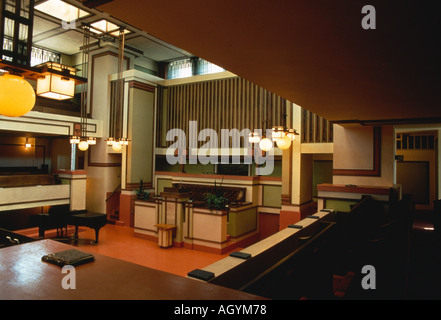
{"type": "Point", "coordinates": [27, 144]}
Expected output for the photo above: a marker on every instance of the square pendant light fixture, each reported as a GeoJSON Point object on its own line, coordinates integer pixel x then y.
{"type": "Point", "coordinates": [57, 81]}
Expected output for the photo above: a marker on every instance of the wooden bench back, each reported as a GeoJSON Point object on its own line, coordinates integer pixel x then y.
{"type": "Point", "coordinates": [198, 192]}
{"type": "Point", "coordinates": [11, 181]}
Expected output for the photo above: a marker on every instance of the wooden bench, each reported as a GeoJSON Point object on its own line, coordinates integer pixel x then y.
{"type": "Point", "coordinates": [198, 192]}
{"type": "Point", "coordinates": [27, 180]}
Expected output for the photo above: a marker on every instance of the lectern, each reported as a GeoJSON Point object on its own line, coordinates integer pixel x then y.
{"type": "Point", "coordinates": [165, 234]}
{"type": "Point", "coordinates": [172, 213]}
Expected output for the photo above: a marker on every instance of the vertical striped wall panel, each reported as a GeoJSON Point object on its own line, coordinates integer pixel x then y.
{"type": "Point", "coordinates": [232, 103]}
{"type": "Point", "coordinates": [315, 129]}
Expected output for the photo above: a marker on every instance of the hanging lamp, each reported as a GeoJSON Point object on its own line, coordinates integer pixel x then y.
{"type": "Point", "coordinates": [17, 97]}
{"type": "Point", "coordinates": [282, 135]}
{"type": "Point", "coordinates": [116, 138]}
{"type": "Point", "coordinates": [82, 140]}
{"type": "Point", "coordinates": [56, 82]}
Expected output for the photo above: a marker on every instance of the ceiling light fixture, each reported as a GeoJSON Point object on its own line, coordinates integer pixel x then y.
{"type": "Point", "coordinates": [104, 26]}
{"type": "Point", "coordinates": [61, 10]}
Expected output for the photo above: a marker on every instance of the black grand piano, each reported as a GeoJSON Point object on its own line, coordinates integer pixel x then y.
{"type": "Point", "coordinates": [59, 217]}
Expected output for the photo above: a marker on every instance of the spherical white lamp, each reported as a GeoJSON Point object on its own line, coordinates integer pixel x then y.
{"type": "Point", "coordinates": [83, 145]}
{"type": "Point", "coordinates": [117, 146]}
{"type": "Point", "coordinates": [17, 97]}
{"type": "Point", "coordinates": [266, 144]}
{"type": "Point", "coordinates": [284, 143]}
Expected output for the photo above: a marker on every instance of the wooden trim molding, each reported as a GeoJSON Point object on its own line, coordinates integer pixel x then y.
{"type": "Point", "coordinates": [135, 186]}
{"type": "Point", "coordinates": [76, 172]}
{"type": "Point", "coordinates": [141, 86]}
{"type": "Point", "coordinates": [376, 171]}
{"type": "Point", "coordinates": [286, 199]}
{"type": "Point", "coordinates": [217, 176]}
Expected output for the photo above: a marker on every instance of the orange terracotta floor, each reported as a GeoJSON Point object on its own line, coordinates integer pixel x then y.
{"type": "Point", "coordinates": [119, 242]}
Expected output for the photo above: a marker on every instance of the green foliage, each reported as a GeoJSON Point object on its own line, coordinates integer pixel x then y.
{"type": "Point", "coordinates": [216, 201]}
{"type": "Point", "coordinates": [140, 193]}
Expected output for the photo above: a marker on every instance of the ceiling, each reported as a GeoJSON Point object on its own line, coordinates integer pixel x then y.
{"type": "Point", "coordinates": [313, 53]}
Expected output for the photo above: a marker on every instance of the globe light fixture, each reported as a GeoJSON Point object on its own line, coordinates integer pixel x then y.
{"type": "Point", "coordinates": [117, 146]}
{"type": "Point", "coordinates": [17, 97]}
{"type": "Point", "coordinates": [266, 144]}
{"type": "Point", "coordinates": [83, 145]}
{"type": "Point", "coordinates": [284, 143]}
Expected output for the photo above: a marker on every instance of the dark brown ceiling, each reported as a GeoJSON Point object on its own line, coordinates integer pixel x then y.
{"type": "Point", "coordinates": [313, 53]}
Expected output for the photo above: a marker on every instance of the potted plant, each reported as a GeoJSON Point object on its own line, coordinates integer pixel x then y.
{"type": "Point", "coordinates": [140, 193]}
{"type": "Point", "coordinates": [216, 200]}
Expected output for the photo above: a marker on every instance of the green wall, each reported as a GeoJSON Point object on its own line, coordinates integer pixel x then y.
{"type": "Point", "coordinates": [272, 196]}
{"type": "Point", "coordinates": [242, 222]}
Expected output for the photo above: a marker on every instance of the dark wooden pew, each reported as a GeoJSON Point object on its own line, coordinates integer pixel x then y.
{"type": "Point", "coordinates": [198, 192]}
{"type": "Point", "coordinates": [28, 180]}
{"type": "Point", "coordinates": [9, 238]}
{"type": "Point", "coordinates": [295, 268]}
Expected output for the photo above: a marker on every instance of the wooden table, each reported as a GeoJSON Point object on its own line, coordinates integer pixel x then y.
{"type": "Point", "coordinates": [25, 276]}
